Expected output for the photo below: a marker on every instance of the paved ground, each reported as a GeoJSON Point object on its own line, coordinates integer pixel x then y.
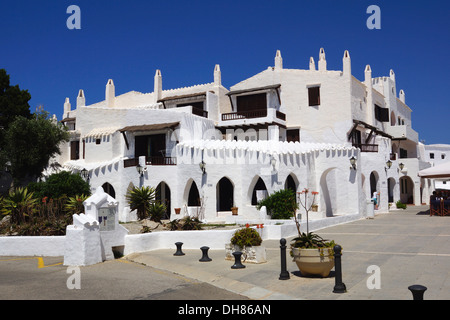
{"type": "Point", "coordinates": [407, 247]}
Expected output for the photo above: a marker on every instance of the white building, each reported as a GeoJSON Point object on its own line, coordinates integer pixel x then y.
{"type": "Point", "coordinates": [437, 154]}
{"type": "Point", "coordinates": [281, 128]}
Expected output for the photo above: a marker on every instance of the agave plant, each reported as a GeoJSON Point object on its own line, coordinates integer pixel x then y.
{"type": "Point", "coordinates": [141, 199]}
{"type": "Point", "coordinates": [19, 204]}
{"type": "Point", "coordinates": [75, 204]}
{"type": "Point", "coordinates": [311, 241]}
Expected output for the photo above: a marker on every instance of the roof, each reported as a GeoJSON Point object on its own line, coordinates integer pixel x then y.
{"type": "Point", "coordinates": [149, 127]}
{"type": "Point", "coordinates": [274, 86]}
{"type": "Point", "coordinates": [438, 171]}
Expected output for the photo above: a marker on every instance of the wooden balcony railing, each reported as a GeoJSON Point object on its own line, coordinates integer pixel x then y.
{"type": "Point", "coordinates": [151, 161]}
{"type": "Point", "coordinates": [366, 147]}
{"type": "Point", "coordinates": [245, 115]}
{"type": "Point", "coordinates": [200, 112]}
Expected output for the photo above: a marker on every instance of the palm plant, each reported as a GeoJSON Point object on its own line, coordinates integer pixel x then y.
{"type": "Point", "coordinates": [141, 199]}
{"type": "Point", "coordinates": [19, 204]}
{"type": "Point", "coordinates": [75, 204]}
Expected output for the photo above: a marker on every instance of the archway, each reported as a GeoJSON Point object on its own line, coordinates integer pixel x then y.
{"type": "Point", "coordinates": [224, 194]}
{"type": "Point", "coordinates": [406, 190]}
{"type": "Point", "coordinates": [373, 183]}
{"type": "Point", "coordinates": [328, 185]}
{"type": "Point", "coordinates": [290, 184]}
{"type": "Point", "coordinates": [391, 186]}
{"type": "Point", "coordinates": [163, 196]}
{"type": "Point", "coordinates": [194, 196]}
{"type": "Point", "coordinates": [109, 189]}
{"type": "Point", "coordinates": [259, 191]}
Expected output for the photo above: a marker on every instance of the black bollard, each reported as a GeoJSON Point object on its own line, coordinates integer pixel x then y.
{"type": "Point", "coordinates": [237, 261]}
{"type": "Point", "coordinates": [417, 291]}
{"type": "Point", "coordinates": [284, 275]}
{"type": "Point", "coordinates": [179, 252]}
{"type": "Point", "coordinates": [339, 286]}
{"type": "Point", "coordinates": [204, 257]}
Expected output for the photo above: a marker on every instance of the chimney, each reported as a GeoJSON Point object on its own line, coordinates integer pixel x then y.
{"type": "Point", "coordinates": [110, 94]}
{"type": "Point", "coordinates": [278, 61]}
{"type": "Point", "coordinates": [322, 60]}
{"type": "Point", "coordinates": [67, 108]}
{"type": "Point", "coordinates": [81, 99]}
{"type": "Point", "coordinates": [217, 76]}
{"type": "Point", "coordinates": [346, 64]}
{"type": "Point", "coordinates": [157, 85]}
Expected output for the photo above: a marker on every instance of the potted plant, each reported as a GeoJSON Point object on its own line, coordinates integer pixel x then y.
{"type": "Point", "coordinates": [177, 210]}
{"type": "Point", "coordinates": [234, 211]}
{"type": "Point", "coordinates": [312, 254]}
{"type": "Point", "coordinates": [248, 241]}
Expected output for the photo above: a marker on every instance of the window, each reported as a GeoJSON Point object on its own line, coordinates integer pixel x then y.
{"type": "Point", "coordinates": [431, 155]}
{"type": "Point", "coordinates": [403, 153]}
{"type": "Point", "coordinates": [98, 141]}
{"type": "Point", "coordinates": [381, 114]}
{"type": "Point", "coordinates": [314, 96]}
{"type": "Point", "coordinates": [293, 135]}
{"type": "Point", "coordinates": [75, 150]}
{"type": "Point", "coordinates": [251, 102]}
{"type": "Point", "coordinates": [443, 156]}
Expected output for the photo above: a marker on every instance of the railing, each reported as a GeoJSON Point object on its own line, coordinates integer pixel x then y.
{"type": "Point", "coordinates": [200, 112]}
{"type": "Point", "coordinates": [245, 115]}
{"type": "Point", "coordinates": [151, 161]}
{"type": "Point", "coordinates": [280, 115]}
{"type": "Point", "coordinates": [366, 147]}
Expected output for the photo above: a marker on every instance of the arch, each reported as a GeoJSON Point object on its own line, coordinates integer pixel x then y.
{"type": "Point", "coordinates": [391, 186]}
{"type": "Point", "coordinates": [224, 194]}
{"type": "Point", "coordinates": [328, 186]}
{"type": "Point", "coordinates": [393, 119]}
{"type": "Point", "coordinates": [291, 182]}
{"type": "Point", "coordinates": [193, 196]}
{"type": "Point", "coordinates": [374, 182]}
{"type": "Point", "coordinates": [257, 185]}
{"type": "Point", "coordinates": [406, 190]}
{"type": "Point", "coordinates": [109, 189]}
{"type": "Point", "coordinates": [163, 196]}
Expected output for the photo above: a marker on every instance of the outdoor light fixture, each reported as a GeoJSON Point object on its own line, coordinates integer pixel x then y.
{"type": "Point", "coordinates": [401, 165]}
{"type": "Point", "coordinates": [353, 163]}
{"type": "Point", "coordinates": [203, 166]}
{"type": "Point", "coordinates": [388, 164]}
{"type": "Point", "coordinates": [273, 162]}
{"type": "Point", "coordinates": [84, 174]}
{"type": "Point", "coordinates": [140, 169]}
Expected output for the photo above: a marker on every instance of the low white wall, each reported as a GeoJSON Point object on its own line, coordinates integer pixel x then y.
{"type": "Point", "coordinates": [32, 246]}
{"type": "Point", "coordinates": [214, 239]}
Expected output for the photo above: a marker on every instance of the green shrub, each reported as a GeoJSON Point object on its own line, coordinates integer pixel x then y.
{"type": "Point", "coordinates": [60, 184]}
{"type": "Point", "coordinates": [186, 223]}
{"type": "Point", "coordinates": [140, 199]}
{"type": "Point", "coordinates": [400, 205]}
{"type": "Point", "coordinates": [157, 211]}
{"type": "Point", "coordinates": [280, 204]}
{"type": "Point", "coordinates": [246, 237]}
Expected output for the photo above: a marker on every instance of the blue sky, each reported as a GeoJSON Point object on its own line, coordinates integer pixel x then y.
{"type": "Point", "coordinates": [128, 40]}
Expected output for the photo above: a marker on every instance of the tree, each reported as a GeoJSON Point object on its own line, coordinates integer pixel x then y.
{"type": "Point", "coordinates": [29, 144]}
{"type": "Point", "coordinates": [60, 184]}
{"type": "Point", "coordinates": [141, 199]}
{"type": "Point", "coordinates": [13, 101]}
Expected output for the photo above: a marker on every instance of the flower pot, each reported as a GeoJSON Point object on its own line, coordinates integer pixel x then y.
{"type": "Point", "coordinates": [314, 261]}
{"type": "Point", "coordinates": [250, 254]}
{"type": "Point", "coordinates": [177, 210]}
{"type": "Point", "coordinates": [234, 211]}
{"type": "Point", "coordinates": [314, 208]}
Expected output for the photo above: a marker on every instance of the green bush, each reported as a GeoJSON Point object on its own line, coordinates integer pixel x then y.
{"type": "Point", "coordinates": [400, 205]}
{"type": "Point", "coordinates": [280, 204]}
{"type": "Point", "coordinates": [246, 237]}
{"type": "Point", "coordinates": [60, 184]}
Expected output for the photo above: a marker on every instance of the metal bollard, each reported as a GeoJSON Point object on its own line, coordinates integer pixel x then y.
{"type": "Point", "coordinates": [179, 252]}
{"type": "Point", "coordinates": [417, 291]}
{"type": "Point", "coordinates": [284, 275]}
{"type": "Point", "coordinates": [205, 257]}
{"type": "Point", "coordinates": [339, 286]}
{"type": "Point", "coordinates": [237, 261]}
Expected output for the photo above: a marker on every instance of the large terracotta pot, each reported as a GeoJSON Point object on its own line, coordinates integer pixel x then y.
{"type": "Point", "coordinates": [314, 261]}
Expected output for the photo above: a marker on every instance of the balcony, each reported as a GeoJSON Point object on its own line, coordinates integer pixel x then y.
{"type": "Point", "coordinates": [403, 132]}
{"type": "Point", "coordinates": [151, 161]}
{"type": "Point", "coordinates": [364, 147]}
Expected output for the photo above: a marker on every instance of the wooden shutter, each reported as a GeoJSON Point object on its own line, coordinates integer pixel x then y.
{"type": "Point", "coordinates": [314, 96]}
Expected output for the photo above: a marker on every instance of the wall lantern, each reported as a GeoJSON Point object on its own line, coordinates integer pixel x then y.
{"type": "Point", "coordinates": [273, 162]}
{"type": "Point", "coordinates": [202, 166]}
{"type": "Point", "coordinates": [140, 169]}
{"type": "Point", "coordinates": [388, 164]}
{"type": "Point", "coordinates": [353, 163]}
{"type": "Point", "coordinates": [401, 165]}
{"type": "Point", "coordinates": [84, 174]}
